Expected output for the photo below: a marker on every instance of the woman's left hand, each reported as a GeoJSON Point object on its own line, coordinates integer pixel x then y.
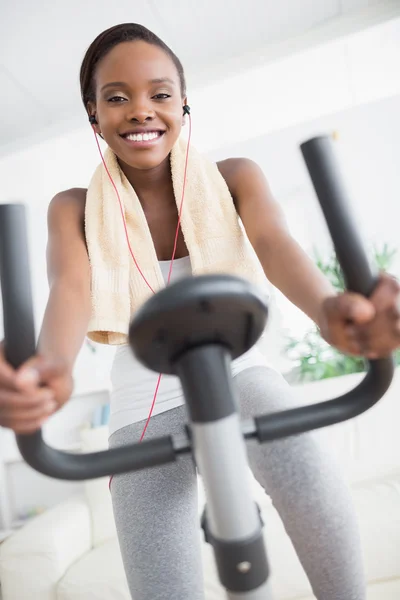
{"type": "Point", "coordinates": [364, 327]}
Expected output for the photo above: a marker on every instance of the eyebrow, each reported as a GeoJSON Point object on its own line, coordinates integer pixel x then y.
{"type": "Point", "coordinates": [122, 83]}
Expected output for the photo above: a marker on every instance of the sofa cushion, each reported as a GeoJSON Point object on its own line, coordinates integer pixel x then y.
{"type": "Point", "coordinates": [377, 504]}
{"type": "Point", "coordinates": [97, 576]}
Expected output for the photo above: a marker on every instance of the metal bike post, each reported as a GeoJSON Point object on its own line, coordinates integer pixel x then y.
{"type": "Point", "coordinates": [231, 522]}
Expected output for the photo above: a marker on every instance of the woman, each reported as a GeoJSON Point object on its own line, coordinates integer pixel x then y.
{"type": "Point", "coordinates": [134, 91]}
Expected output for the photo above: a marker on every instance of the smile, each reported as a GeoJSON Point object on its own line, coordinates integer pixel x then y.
{"type": "Point", "coordinates": [148, 138]}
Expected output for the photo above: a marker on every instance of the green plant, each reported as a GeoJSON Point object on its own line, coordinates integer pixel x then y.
{"type": "Point", "coordinates": [313, 358]}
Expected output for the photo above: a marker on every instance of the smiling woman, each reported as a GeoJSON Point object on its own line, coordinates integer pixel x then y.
{"type": "Point", "coordinates": [133, 89]}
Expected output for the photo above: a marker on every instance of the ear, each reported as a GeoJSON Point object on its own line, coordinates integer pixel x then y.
{"type": "Point", "coordinates": [184, 102]}
{"type": "Point", "coordinates": [91, 110]}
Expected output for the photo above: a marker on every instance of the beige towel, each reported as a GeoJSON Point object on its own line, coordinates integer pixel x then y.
{"type": "Point", "coordinates": [210, 225]}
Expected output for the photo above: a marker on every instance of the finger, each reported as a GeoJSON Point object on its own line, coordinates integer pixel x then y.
{"type": "Point", "coordinates": [345, 338]}
{"type": "Point", "coordinates": [352, 331]}
{"type": "Point", "coordinates": [382, 336]}
{"type": "Point", "coordinates": [350, 307]}
{"type": "Point", "coordinates": [7, 376]}
{"type": "Point", "coordinates": [20, 402]}
{"type": "Point", "coordinates": [28, 376]}
{"type": "Point", "coordinates": [353, 348]}
{"type": "Point", "coordinates": [380, 349]}
{"type": "Point", "coordinates": [27, 427]}
{"type": "Point", "coordinates": [355, 342]}
{"type": "Point", "coordinates": [39, 369]}
{"type": "Point", "coordinates": [33, 413]}
{"type": "Point", "coordinates": [386, 294]}
{"type": "Point", "coordinates": [7, 373]}
{"type": "Point", "coordinates": [355, 308]}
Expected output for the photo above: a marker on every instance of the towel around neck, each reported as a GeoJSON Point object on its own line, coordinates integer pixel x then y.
{"type": "Point", "coordinates": [210, 224]}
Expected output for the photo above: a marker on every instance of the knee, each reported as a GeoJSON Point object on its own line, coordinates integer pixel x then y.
{"type": "Point", "coordinates": [262, 390]}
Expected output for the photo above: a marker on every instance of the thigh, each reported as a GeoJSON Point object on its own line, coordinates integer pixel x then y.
{"type": "Point", "coordinates": [288, 463]}
{"type": "Point", "coordinates": [156, 515]}
{"type": "Point", "coordinates": [307, 489]}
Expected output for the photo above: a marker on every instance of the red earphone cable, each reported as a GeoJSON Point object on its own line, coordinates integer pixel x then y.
{"type": "Point", "coordinates": [121, 209]}
{"type": "Point", "coordinates": [131, 252]}
{"type": "Point", "coordinates": [181, 204]}
{"type": "Point", "coordinates": [170, 269]}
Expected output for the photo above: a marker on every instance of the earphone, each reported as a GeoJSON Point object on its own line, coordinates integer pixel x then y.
{"type": "Point", "coordinates": [93, 121]}
{"type": "Point", "coordinates": [186, 111]}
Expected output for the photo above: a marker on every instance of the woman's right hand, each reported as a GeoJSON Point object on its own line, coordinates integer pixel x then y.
{"type": "Point", "coordinates": [30, 394]}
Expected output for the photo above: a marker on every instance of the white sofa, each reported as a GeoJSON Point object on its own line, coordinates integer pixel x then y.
{"type": "Point", "coordinates": [71, 551]}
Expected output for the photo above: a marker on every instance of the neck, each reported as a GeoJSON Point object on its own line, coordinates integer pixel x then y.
{"type": "Point", "coordinates": [150, 185]}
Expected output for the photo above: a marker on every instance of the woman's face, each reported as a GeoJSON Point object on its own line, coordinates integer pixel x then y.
{"type": "Point", "coordinates": [139, 106]}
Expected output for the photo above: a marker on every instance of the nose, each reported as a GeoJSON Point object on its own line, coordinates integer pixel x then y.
{"type": "Point", "coordinates": [140, 111]}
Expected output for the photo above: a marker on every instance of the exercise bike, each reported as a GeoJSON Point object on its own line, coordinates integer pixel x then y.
{"type": "Point", "coordinates": [194, 329]}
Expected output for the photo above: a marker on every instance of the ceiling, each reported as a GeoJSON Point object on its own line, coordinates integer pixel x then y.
{"type": "Point", "coordinates": [42, 44]}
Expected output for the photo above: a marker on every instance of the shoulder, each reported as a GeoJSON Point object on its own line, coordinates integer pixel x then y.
{"type": "Point", "coordinates": [234, 169]}
{"type": "Point", "coordinates": [67, 205]}
{"type": "Point", "coordinates": [73, 196]}
{"type": "Point", "coordinates": [244, 178]}
{"type": "Point", "coordinates": [73, 199]}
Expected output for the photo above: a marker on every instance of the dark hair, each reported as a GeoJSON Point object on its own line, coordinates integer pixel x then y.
{"type": "Point", "coordinates": [126, 32]}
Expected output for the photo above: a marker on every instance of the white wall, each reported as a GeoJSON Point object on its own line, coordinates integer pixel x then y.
{"type": "Point", "coordinates": [335, 76]}
{"type": "Point", "coordinates": [368, 148]}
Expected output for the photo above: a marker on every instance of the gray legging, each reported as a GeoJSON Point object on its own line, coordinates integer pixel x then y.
{"type": "Point", "coordinates": [156, 511]}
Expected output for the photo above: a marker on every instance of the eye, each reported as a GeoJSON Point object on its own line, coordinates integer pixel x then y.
{"type": "Point", "coordinates": [115, 99]}
{"type": "Point", "coordinates": [162, 96]}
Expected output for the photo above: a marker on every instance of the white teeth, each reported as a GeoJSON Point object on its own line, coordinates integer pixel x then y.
{"type": "Point", "coordinates": [143, 137]}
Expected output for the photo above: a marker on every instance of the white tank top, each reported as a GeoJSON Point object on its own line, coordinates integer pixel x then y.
{"type": "Point", "coordinates": [133, 385]}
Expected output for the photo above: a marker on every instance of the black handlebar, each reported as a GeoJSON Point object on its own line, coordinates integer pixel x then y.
{"type": "Point", "coordinates": [323, 168]}
{"type": "Point", "coordinates": [328, 184]}
{"type": "Point", "coordinates": [19, 330]}
{"type": "Point", "coordinates": [20, 338]}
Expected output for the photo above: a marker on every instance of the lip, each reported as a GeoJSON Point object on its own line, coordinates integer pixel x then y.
{"type": "Point", "coordinates": [142, 130]}
{"type": "Point", "coordinates": [144, 143]}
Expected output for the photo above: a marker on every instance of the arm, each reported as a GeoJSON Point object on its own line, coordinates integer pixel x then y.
{"type": "Point", "coordinates": [68, 308]}
{"type": "Point", "coordinates": [348, 321]}
{"type": "Point", "coordinates": [284, 262]}
{"type": "Point", "coordinates": [39, 387]}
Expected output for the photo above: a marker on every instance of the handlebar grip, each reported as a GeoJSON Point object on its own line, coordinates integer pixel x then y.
{"type": "Point", "coordinates": [328, 183]}
{"type": "Point", "coordinates": [19, 328]}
